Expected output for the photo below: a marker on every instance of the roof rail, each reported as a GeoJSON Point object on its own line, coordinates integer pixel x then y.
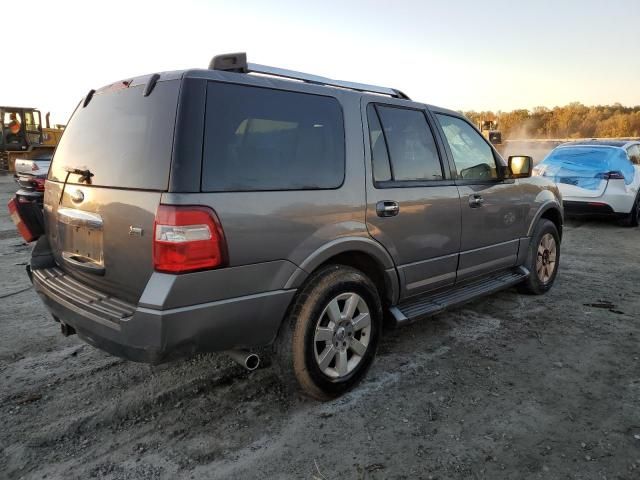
{"type": "Point", "coordinates": [237, 62]}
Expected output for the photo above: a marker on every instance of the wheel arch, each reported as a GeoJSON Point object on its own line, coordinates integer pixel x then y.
{"type": "Point", "coordinates": [550, 211]}
{"type": "Point", "coordinates": [365, 254]}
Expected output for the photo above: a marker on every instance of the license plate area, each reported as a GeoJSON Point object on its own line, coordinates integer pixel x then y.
{"type": "Point", "coordinates": [81, 239]}
{"type": "Point", "coordinates": [82, 242]}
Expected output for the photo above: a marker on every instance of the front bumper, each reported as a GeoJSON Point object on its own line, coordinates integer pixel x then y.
{"type": "Point", "coordinates": [153, 336]}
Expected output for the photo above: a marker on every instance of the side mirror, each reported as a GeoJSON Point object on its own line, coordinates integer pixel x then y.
{"type": "Point", "coordinates": [520, 166]}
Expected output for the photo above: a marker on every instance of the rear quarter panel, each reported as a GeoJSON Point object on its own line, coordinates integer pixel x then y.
{"type": "Point", "coordinates": [265, 226]}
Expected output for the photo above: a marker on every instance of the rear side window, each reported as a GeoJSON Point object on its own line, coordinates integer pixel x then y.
{"type": "Point", "coordinates": [410, 145]}
{"type": "Point", "coordinates": [379, 154]}
{"type": "Point", "coordinates": [263, 139]}
{"type": "Point", "coordinates": [124, 138]}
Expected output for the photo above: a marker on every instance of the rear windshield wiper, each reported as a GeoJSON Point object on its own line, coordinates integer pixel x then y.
{"type": "Point", "coordinates": [85, 177]}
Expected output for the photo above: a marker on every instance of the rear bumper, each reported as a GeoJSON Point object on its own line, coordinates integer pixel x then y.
{"type": "Point", "coordinates": [615, 199]}
{"type": "Point", "coordinates": [31, 195]}
{"type": "Point", "coordinates": [572, 207]}
{"type": "Point", "coordinates": [152, 336]}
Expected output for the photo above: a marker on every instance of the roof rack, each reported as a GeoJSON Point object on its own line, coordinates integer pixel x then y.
{"type": "Point", "coordinates": [237, 62]}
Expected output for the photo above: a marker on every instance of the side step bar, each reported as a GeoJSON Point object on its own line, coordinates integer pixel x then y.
{"type": "Point", "coordinates": [413, 309]}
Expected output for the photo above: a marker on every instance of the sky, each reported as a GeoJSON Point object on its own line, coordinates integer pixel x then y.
{"type": "Point", "coordinates": [463, 55]}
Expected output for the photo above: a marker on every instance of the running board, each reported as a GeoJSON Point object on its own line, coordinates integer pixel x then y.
{"type": "Point", "coordinates": [430, 304]}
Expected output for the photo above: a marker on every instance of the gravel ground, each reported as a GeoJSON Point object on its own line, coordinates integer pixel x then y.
{"type": "Point", "coordinates": [510, 386]}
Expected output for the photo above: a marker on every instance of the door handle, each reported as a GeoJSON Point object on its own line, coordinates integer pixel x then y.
{"type": "Point", "coordinates": [476, 200]}
{"type": "Point", "coordinates": [387, 208]}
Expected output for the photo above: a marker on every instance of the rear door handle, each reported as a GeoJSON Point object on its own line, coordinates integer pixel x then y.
{"type": "Point", "coordinates": [476, 200]}
{"type": "Point", "coordinates": [387, 208]}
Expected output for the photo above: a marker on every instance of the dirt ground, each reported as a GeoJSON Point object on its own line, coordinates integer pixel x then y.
{"type": "Point", "coordinates": [511, 386]}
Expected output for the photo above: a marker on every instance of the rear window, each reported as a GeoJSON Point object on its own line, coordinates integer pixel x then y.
{"type": "Point", "coordinates": [263, 139]}
{"type": "Point", "coordinates": [124, 138]}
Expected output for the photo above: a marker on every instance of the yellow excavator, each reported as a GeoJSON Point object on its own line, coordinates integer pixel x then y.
{"type": "Point", "coordinates": [489, 129]}
{"type": "Point", "coordinates": [23, 135]}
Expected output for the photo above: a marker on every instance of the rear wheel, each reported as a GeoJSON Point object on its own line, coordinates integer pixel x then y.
{"type": "Point", "coordinates": [331, 334]}
{"type": "Point", "coordinates": [633, 218]}
{"type": "Point", "coordinates": [543, 258]}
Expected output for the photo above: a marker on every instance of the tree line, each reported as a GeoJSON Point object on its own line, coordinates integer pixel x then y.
{"type": "Point", "coordinates": [571, 121]}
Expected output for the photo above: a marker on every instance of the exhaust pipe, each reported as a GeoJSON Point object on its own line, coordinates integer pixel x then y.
{"type": "Point", "coordinates": [248, 360]}
{"type": "Point", "coordinates": [67, 330]}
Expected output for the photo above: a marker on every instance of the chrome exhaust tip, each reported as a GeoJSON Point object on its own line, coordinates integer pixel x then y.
{"type": "Point", "coordinates": [248, 360]}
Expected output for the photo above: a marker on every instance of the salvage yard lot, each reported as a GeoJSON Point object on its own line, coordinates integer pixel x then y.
{"type": "Point", "coordinates": [510, 386]}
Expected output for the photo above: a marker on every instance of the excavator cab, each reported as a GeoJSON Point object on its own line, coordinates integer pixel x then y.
{"type": "Point", "coordinates": [22, 134]}
{"type": "Point", "coordinates": [489, 129]}
{"type": "Point", "coordinates": [21, 128]}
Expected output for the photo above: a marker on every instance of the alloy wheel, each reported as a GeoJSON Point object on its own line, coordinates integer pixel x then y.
{"type": "Point", "coordinates": [546, 258]}
{"type": "Point", "coordinates": [342, 335]}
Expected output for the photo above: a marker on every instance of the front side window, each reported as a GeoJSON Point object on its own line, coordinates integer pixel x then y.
{"type": "Point", "coordinates": [402, 145]}
{"type": "Point", "coordinates": [264, 139]}
{"type": "Point", "coordinates": [472, 155]}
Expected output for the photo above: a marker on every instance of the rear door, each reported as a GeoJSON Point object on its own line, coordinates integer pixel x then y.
{"type": "Point", "coordinates": [101, 226]}
{"type": "Point", "coordinates": [413, 206]}
{"type": "Point", "coordinates": [492, 208]}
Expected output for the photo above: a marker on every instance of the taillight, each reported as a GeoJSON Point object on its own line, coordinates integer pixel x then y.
{"type": "Point", "coordinates": [614, 176]}
{"type": "Point", "coordinates": [39, 184]}
{"type": "Point", "coordinates": [22, 227]}
{"type": "Point", "coordinates": [186, 239]}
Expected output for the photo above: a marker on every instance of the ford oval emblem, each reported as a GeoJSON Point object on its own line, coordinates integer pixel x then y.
{"type": "Point", "coordinates": [77, 196]}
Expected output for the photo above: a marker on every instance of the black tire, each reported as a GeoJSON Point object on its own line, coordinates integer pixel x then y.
{"type": "Point", "coordinates": [296, 346]}
{"type": "Point", "coordinates": [540, 282]}
{"type": "Point", "coordinates": [633, 218]}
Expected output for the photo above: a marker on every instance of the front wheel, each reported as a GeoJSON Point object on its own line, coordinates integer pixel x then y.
{"type": "Point", "coordinates": [543, 258]}
{"type": "Point", "coordinates": [330, 336]}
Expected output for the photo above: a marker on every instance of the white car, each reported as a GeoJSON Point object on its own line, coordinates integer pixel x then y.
{"type": "Point", "coordinates": [597, 177]}
{"type": "Point", "coordinates": [34, 166]}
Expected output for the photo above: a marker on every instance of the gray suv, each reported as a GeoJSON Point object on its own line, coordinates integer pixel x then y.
{"type": "Point", "coordinates": [246, 206]}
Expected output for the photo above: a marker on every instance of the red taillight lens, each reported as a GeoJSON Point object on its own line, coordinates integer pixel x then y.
{"type": "Point", "coordinates": [22, 227]}
{"type": "Point", "coordinates": [39, 184]}
{"type": "Point", "coordinates": [186, 239]}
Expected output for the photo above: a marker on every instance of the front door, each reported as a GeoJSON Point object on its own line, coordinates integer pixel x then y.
{"type": "Point", "coordinates": [492, 213]}
{"type": "Point", "coordinates": [413, 205]}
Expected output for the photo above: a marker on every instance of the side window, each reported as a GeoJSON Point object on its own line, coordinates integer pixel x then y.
{"type": "Point", "coordinates": [634, 154]}
{"type": "Point", "coordinates": [379, 154]}
{"type": "Point", "coordinates": [472, 155]}
{"type": "Point", "coordinates": [410, 146]}
{"type": "Point", "coordinates": [264, 139]}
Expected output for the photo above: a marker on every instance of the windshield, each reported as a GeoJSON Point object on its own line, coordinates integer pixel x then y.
{"type": "Point", "coordinates": [124, 138]}
{"type": "Point", "coordinates": [584, 166]}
